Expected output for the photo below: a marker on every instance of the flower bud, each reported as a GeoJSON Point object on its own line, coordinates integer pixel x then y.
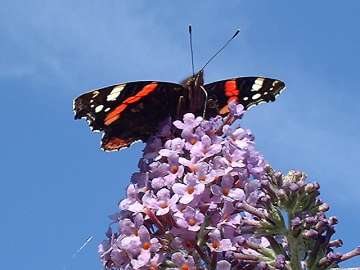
{"type": "Point", "coordinates": [311, 234]}
{"type": "Point", "coordinates": [324, 207]}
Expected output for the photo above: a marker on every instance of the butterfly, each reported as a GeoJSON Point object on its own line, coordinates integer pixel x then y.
{"type": "Point", "coordinates": [132, 111]}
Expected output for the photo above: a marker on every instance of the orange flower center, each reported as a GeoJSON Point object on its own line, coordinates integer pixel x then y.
{"type": "Point", "coordinates": [146, 245]}
{"type": "Point", "coordinates": [202, 178]}
{"type": "Point", "coordinates": [185, 266]}
{"type": "Point", "coordinates": [174, 169]}
{"type": "Point", "coordinates": [226, 191]}
{"type": "Point", "coordinates": [193, 140]}
{"type": "Point", "coordinates": [215, 244]}
{"type": "Point", "coordinates": [192, 221]}
{"type": "Point", "coordinates": [163, 204]}
{"type": "Point", "coordinates": [190, 190]}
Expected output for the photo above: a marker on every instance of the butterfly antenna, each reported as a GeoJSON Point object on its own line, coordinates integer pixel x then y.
{"type": "Point", "coordinates": [191, 50]}
{"type": "Point", "coordinates": [221, 49]}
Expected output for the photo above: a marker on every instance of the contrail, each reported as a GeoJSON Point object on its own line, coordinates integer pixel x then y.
{"type": "Point", "coordinates": [88, 240]}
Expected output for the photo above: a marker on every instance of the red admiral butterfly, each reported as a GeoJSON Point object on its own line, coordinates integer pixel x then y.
{"type": "Point", "coordinates": [132, 111]}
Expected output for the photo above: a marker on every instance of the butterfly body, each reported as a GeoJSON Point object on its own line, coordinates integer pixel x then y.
{"type": "Point", "coordinates": [132, 111]}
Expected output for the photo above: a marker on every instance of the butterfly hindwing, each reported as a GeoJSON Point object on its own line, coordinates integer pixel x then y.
{"type": "Point", "coordinates": [248, 91]}
{"type": "Point", "coordinates": [128, 112]}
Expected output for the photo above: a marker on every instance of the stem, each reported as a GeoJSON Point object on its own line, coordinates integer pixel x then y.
{"type": "Point", "coordinates": [294, 252]}
{"type": "Point", "coordinates": [293, 245]}
{"type": "Point", "coordinates": [213, 261]}
{"type": "Point", "coordinates": [278, 249]}
{"type": "Point", "coordinates": [202, 255]}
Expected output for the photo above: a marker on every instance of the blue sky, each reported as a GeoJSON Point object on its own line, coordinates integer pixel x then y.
{"type": "Point", "coordinates": [57, 187]}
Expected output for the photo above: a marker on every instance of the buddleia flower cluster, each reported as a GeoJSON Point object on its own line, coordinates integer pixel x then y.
{"type": "Point", "coordinates": [205, 198]}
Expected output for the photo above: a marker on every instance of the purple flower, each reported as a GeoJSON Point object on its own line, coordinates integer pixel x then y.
{"type": "Point", "coordinates": [204, 173]}
{"type": "Point", "coordinates": [189, 189]}
{"type": "Point", "coordinates": [211, 198]}
{"type": "Point", "coordinates": [190, 219]}
{"type": "Point", "coordinates": [176, 145]}
{"type": "Point", "coordinates": [188, 126]}
{"type": "Point", "coordinates": [205, 148]}
{"type": "Point", "coordinates": [217, 243]}
{"type": "Point", "coordinates": [227, 190]}
{"type": "Point", "coordinates": [184, 239]}
{"type": "Point", "coordinates": [237, 110]}
{"type": "Point", "coordinates": [228, 219]}
{"type": "Point", "coordinates": [140, 247]}
{"type": "Point", "coordinates": [280, 262]}
{"type": "Point", "coordinates": [223, 265]}
{"type": "Point", "coordinates": [182, 262]}
{"type": "Point", "coordinates": [128, 226]}
{"type": "Point", "coordinates": [162, 202]}
{"type": "Point", "coordinates": [155, 261]}
{"type": "Point", "coordinates": [119, 257]}
{"type": "Point", "coordinates": [131, 203]}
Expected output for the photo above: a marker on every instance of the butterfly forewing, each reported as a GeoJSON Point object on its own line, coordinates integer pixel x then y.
{"type": "Point", "coordinates": [128, 112]}
{"type": "Point", "coordinates": [133, 111]}
{"type": "Point", "coordinates": [248, 91]}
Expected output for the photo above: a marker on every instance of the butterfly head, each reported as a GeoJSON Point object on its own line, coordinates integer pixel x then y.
{"type": "Point", "coordinates": [194, 81]}
{"type": "Point", "coordinates": [199, 78]}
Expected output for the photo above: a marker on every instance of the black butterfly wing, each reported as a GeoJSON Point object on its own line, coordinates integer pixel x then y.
{"type": "Point", "coordinates": [248, 91]}
{"type": "Point", "coordinates": [128, 112]}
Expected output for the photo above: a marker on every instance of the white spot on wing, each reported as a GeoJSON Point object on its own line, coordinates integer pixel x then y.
{"type": "Point", "coordinates": [256, 96]}
{"type": "Point", "coordinates": [99, 108]}
{"type": "Point", "coordinates": [107, 109]}
{"type": "Point", "coordinates": [275, 83]}
{"type": "Point", "coordinates": [245, 98]}
{"type": "Point", "coordinates": [115, 92]}
{"type": "Point", "coordinates": [256, 87]}
{"type": "Point", "coordinates": [259, 81]}
{"type": "Point", "coordinates": [95, 94]}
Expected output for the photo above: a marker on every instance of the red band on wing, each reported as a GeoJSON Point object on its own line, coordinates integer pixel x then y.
{"type": "Point", "coordinates": [115, 114]}
{"type": "Point", "coordinates": [231, 90]}
{"type": "Point", "coordinates": [232, 93]}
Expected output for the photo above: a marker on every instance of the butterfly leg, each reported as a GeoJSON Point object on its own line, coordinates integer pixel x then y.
{"type": "Point", "coordinates": [206, 100]}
